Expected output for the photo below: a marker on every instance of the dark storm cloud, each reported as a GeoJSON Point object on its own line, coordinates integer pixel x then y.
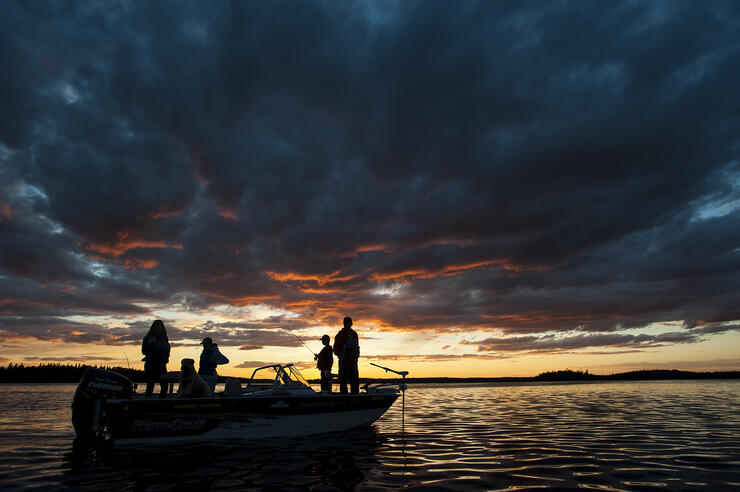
{"type": "Point", "coordinates": [441, 165]}
{"type": "Point", "coordinates": [56, 329]}
{"type": "Point", "coordinates": [248, 336]}
{"type": "Point", "coordinates": [554, 344]}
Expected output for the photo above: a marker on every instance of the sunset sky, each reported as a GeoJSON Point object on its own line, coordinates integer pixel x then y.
{"type": "Point", "coordinates": [488, 189]}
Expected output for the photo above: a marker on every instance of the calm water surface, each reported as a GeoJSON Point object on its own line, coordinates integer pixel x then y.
{"type": "Point", "coordinates": [682, 435]}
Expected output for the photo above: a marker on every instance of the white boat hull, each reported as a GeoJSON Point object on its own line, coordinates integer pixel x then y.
{"type": "Point", "coordinates": [267, 427]}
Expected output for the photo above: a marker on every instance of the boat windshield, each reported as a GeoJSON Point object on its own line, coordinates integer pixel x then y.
{"type": "Point", "coordinates": [289, 376]}
{"type": "Point", "coordinates": [264, 375]}
{"type": "Point", "coordinates": [285, 376]}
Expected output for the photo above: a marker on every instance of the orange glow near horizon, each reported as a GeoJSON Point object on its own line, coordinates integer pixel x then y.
{"type": "Point", "coordinates": [421, 341]}
{"type": "Point", "coordinates": [421, 355]}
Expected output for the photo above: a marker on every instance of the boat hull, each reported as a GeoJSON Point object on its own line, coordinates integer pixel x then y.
{"type": "Point", "coordinates": [172, 420]}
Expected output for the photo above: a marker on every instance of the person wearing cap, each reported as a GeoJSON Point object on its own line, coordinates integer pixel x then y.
{"type": "Point", "coordinates": [347, 348]}
{"type": "Point", "coordinates": [324, 361]}
{"type": "Point", "coordinates": [209, 359]}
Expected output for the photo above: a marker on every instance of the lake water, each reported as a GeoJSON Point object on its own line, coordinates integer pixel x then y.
{"type": "Point", "coordinates": [678, 435]}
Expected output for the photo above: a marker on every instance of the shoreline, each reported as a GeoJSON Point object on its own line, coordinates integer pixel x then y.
{"type": "Point", "coordinates": [58, 373]}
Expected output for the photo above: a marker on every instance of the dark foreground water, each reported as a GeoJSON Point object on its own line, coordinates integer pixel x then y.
{"type": "Point", "coordinates": [682, 435]}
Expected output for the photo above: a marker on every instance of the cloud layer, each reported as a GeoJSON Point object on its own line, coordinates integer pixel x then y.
{"type": "Point", "coordinates": [524, 169]}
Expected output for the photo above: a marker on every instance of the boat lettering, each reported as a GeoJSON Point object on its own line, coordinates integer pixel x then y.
{"type": "Point", "coordinates": [211, 405]}
{"type": "Point", "coordinates": [280, 404]}
{"type": "Point", "coordinates": [317, 404]}
{"type": "Point", "coordinates": [172, 425]}
{"type": "Point", "coordinates": [104, 386]}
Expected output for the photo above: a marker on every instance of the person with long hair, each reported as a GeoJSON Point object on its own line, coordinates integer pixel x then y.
{"type": "Point", "coordinates": [156, 350]}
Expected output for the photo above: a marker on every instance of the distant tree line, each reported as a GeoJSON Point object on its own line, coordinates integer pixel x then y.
{"type": "Point", "coordinates": [643, 374]}
{"type": "Point", "coordinates": [57, 373]}
{"type": "Point", "coordinates": [63, 373]}
{"type": "Point", "coordinates": [72, 373]}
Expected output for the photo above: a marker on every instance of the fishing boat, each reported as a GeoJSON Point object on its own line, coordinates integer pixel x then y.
{"type": "Point", "coordinates": [277, 401]}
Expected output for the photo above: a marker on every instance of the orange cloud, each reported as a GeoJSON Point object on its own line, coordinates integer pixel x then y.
{"type": "Point", "coordinates": [196, 156]}
{"type": "Point", "coordinates": [318, 278]}
{"type": "Point", "coordinates": [5, 211]}
{"type": "Point", "coordinates": [447, 271]}
{"type": "Point", "coordinates": [163, 214]}
{"type": "Point", "coordinates": [240, 301]}
{"type": "Point", "coordinates": [138, 263]}
{"type": "Point", "coordinates": [410, 274]}
{"type": "Point", "coordinates": [227, 212]}
{"type": "Point", "coordinates": [452, 270]}
{"type": "Point", "coordinates": [125, 242]}
{"type": "Point", "coordinates": [364, 249]}
{"type": "Point", "coordinates": [321, 290]}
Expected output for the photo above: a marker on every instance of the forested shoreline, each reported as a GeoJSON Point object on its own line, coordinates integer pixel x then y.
{"type": "Point", "coordinates": [71, 373]}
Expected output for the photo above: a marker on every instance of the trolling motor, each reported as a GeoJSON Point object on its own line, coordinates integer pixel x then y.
{"type": "Point", "coordinates": [96, 386]}
{"type": "Point", "coordinates": [402, 386]}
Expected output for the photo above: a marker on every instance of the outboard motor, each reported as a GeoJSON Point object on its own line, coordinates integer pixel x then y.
{"type": "Point", "coordinates": [94, 388]}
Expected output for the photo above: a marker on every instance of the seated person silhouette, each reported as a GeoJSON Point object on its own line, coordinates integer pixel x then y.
{"type": "Point", "coordinates": [286, 379]}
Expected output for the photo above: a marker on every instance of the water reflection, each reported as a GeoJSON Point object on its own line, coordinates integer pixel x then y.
{"type": "Point", "coordinates": [333, 461]}
{"type": "Point", "coordinates": [613, 436]}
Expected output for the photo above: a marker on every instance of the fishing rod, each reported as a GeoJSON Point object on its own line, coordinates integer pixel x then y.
{"type": "Point", "coordinates": [400, 373]}
{"type": "Point", "coordinates": [314, 354]}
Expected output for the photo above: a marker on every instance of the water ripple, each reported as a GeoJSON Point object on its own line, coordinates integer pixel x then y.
{"type": "Point", "coordinates": [612, 436]}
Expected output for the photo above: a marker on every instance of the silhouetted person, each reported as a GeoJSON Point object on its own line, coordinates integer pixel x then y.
{"type": "Point", "coordinates": [209, 359]}
{"type": "Point", "coordinates": [191, 384]}
{"type": "Point", "coordinates": [347, 348]}
{"type": "Point", "coordinates": [156, 349]}
{"type": "Point", "coordinates": [324, 362]}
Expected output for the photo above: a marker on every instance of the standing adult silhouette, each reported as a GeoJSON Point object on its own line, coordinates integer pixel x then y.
{"type": "Point", "coordinates": [156, 349]}
{"type": "Point", "coordinates": [347, 349]}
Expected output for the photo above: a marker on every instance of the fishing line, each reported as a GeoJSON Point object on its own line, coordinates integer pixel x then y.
{"type": "Point", "coordinates": [312, 352]}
